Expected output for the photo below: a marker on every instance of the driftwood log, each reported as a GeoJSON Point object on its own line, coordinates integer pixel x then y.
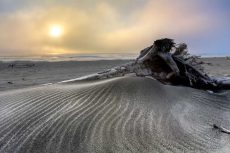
{"type": "Point", "coordinates": [168, 63]}
{"type": "Point", "coordinates": [171, 64]}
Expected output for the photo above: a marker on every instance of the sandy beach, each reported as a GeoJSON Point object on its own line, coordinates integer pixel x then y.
{"type": "Point", "coordinates": [122, 114]}
{"type": "Point", "coordinates": [28, 73]}
{"type": "Point", "coordinates": [31, 73]}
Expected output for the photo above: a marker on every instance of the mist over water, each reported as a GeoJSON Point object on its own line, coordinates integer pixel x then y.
{"type": "Point", "coordinates": [83, 57]}
{"type": "Point", "coordinates": [70, 57]}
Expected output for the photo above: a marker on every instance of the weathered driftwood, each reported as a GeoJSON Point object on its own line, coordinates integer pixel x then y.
{"type": "Point", "coordinates": [169, 64]}
{"type": "Point", "coordinates": [172, 64]}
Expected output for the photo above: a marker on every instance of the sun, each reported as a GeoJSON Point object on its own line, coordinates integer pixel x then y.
{"type": "Point", "coordinates": [55, 31]}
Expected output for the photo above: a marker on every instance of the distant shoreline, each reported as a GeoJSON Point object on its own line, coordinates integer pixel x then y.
{"type": "Point", "coordinates": [50, 61]}
{"type": "Point", "coordinates": [11, 60]}
{"type": "Point", "coordinates": [71, 57]}
{"type": "Point", "coordinates": [83, 57]}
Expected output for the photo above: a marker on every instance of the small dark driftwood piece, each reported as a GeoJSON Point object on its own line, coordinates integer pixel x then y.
{"type": "Point", "coordinates": [221, 129]}
{"type": "Point", "coordinates": [10, 82]}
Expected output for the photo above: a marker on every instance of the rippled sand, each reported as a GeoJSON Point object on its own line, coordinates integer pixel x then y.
{"type": "Point", "coordinates": [127, 114]}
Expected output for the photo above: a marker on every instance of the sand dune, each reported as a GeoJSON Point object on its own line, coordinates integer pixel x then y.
{"type": "Point", "coordinates": [127, 114]}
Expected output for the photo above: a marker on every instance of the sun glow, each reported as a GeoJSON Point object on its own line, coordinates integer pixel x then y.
{"type": "Point", "coordinates": [56, 31]}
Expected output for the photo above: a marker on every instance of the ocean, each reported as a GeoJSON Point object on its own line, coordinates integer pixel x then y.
{"type": "Point", "coordinates": [71, 57]}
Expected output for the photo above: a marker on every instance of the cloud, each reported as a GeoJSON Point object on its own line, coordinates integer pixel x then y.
{"type": "Point", "coordinates": [102, 26]}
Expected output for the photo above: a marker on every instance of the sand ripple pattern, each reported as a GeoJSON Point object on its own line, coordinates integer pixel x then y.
{"type": "Point", "coordinates": [127, 114]}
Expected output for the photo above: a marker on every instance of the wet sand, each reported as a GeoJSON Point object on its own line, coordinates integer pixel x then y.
{"type": "Point", "coordinates": [27, 73]}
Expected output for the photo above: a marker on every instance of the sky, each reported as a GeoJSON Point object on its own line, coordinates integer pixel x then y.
{"type": "Point", "coordinates": [112, 26]}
